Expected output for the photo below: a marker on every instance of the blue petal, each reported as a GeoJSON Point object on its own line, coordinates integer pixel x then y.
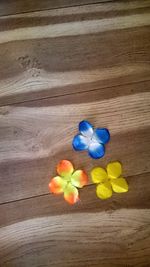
{"type": "Point", "coordinates": [80, 142]}
{"type": "Point", "coordinates": [96, 150]}
{"type": "Point", "coordinates": [86, 128]}
{"type": "Point", "coordinates": [102, 135]}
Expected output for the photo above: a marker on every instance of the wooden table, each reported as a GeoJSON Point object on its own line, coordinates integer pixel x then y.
{"type": "Point", "coordinates": [62, 62]}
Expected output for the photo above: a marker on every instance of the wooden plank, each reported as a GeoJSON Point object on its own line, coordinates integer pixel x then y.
{"type": "Point", "coordinates": [74, 14]}
{"type": "Point", "coordinates": [111, 45]}
{"type": "Point", "coordinates": [138, 197]}
{"type": "Point", "coordinates": [19, 6]}
{"type": "Point", "coordinates": [57, 68]}
{"type": "Point", "coordinates": [36, 135]}
{"type": "Point", "coordinates": [120, 238]}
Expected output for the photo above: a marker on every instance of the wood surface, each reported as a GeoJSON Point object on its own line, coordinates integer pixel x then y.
{"type": "Point", "coordinates": [62, 62]}
{"type": "Point", "coordinates": [20, 6]}
{"type": "Point", "coordinates": [79, 240]}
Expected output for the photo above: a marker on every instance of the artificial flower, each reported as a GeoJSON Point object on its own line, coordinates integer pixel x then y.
{"type": "Point", "coordinates": [68, 181]}
{"type": "Point", "coordinates": [90, 139]}
{"type": "Point", "coordinates": [109, 181]}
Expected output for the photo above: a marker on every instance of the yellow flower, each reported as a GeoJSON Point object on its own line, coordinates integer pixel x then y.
{"type": "Point", "coordinates": [109, 181]}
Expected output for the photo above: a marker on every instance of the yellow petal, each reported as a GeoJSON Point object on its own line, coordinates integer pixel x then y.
{"type": "Point", "coordinates": [114, 169]}
{"type": "Point", "coordinates": [104, 190]}
{"type": "Point", "coordinates": [79, 178]}
{"type": "Point", "coordinates": [98, 175]}
{"type": "Point", "coordinates": [119, 185]}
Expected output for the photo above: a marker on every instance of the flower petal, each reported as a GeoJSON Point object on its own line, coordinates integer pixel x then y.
{"type": "Point", "coordinates": [80, 142]}
{"type": "Point", "coordinates": [65, 168]}
{"type": "Point", "coordinates": [71, 194]}
{"type": "Point", "coordinates": [102, 135]}
{"type": "Point", "coordinates": [79, 178]}
{"type": "Point", "coordinates": [99, 175]}
{"type": "Point", "coordinates": [104, 190]}
{"type": "Point", "coordinates": [57, 185]}
{"type": "Point", "coordinates": [96, 150]}
{"type": "Point", "coordinates": [119, 185]}
{"type": "Point", "coordinates": [114, 170]}
{"type": "Point", "coordinates": [86, 128]}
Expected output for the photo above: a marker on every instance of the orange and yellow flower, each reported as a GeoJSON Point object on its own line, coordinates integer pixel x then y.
{"type": "Point", "coordinates": [68, 181]}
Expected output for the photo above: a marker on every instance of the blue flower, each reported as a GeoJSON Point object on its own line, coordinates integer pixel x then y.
{"type": "Point", "coordinates": [90, 139]}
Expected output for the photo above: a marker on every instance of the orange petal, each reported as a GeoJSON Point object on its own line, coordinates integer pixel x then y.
{"type": "Point", "coordinates": [65, 168]}
{"type": "Point", "coordinates": [71, 194]}
{"type": "Point", "coordinates": [57, 185]}
{"type": "Point", "coordinates": [79, 178]}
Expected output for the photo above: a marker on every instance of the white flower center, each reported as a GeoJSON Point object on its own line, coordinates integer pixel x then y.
{"type": "Point", "coordinates": [91, 139]}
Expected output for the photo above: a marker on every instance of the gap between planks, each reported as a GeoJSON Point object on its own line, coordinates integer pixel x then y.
{"type": "Point", "coordinates": [74, 93]}
{"type": "Point", "coordinates": [47, 194]}
{"type": "Point", "coordinates": [46, 67]}
{"type": "Point", "coordinates": [137, 197]}
{"type": "Point", "coordinates": [29, 163]}
{"type": "Point", "coordinates": [48, 8]}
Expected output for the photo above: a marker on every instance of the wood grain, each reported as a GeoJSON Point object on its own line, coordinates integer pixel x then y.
{"type": "Point", "coordinates": [91, 239]}
{"type": "Point", "coordinates": [138, 197]}
{"type": "Point", "coordinates": [106, 45]}
{"type": "Point", "coordinates": [59, 65]}
{"type": "Point", "coordinates": [8, 7]}
{"type": "Point", "coordinates": [35, 136]}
